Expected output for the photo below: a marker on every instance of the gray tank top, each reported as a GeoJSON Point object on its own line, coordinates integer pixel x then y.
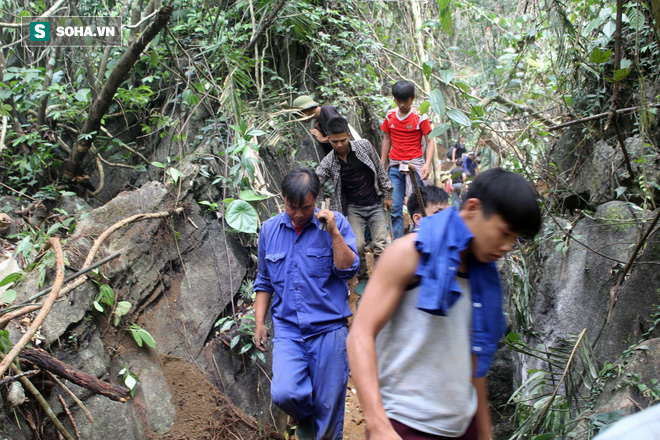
{"type": "Point", "coordinates": [425, 366]}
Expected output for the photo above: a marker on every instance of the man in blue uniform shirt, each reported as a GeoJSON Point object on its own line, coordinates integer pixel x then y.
{"type": "Point", "coordinates": [305, 257]}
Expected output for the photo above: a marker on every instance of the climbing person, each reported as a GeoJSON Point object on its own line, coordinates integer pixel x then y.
{"type": "Point", "coordinates": [405, 132]}
{"type": "Point", "coordinates": [431, 317]}
{"type": "Point", "coordinates": [305, 257]}
{"type": "Point", "coordinates": [321, 114]}
{"type": "Point", "coordinates": [470, 164]}
{"type": "Point", "coordinates": [362, 189]}
{"type": "Point", "coordinates": [457, 150]}
{"type": "Point", "coordinates": [435, 200]}
{"type": "Point", "coordinates": [458, 178]}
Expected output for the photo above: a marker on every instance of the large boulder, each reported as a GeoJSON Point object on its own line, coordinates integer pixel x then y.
{"type": "Point", "coordinates": [572, 288]}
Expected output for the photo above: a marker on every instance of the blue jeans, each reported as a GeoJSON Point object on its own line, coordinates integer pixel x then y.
{"type": "Point", "coordinates": [398, 180]}
{"type": "Point", "coordinates": [309, 381]}
{"type": "Point", "coordinates": [457, 189]}
{"type": "Point", "coordinates": [374, 216]}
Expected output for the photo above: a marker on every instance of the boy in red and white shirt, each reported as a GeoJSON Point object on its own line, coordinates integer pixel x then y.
{"type": "Point", "coordinates": [405, 133]}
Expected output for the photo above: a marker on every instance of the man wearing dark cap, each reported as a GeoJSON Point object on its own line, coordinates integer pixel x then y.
{"type": "Point", "coordinates": [322, 114]}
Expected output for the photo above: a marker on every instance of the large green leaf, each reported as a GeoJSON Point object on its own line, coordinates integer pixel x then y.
{"type": "Point", "coordinates": [440, 129]}
{"type": "Point", "coordinates": [242, 217]}
{"type": "Point", "coordinates": [252, 196]}
{"type": "Point", "coordinates": [459, 117]}
{"type": "Point", "coordinates": [447, 75]}
{"type": "Point", "coordinates": [424, 107]}
{"type": "Point", "coordinates": [437, 102]}
{"type": "Point", "coordinates": [447, 23]}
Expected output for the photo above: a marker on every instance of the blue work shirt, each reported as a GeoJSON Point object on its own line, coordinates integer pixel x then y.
{"type": "Point", "coordinates": [309, 294]}
{"type": "Point", "coordinates": [440, 239]}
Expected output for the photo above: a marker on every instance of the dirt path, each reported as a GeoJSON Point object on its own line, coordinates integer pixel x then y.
{"type": "Point", "coordinates": [353, 419]}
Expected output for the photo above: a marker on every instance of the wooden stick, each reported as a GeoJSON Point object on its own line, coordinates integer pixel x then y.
{"type": "Point", "coordinates": [68, 413]}
{"type": "Point", "coordinates": [45, 310]}
{"type": "Point", "coordinates": [47, 362]}
{"type": "Point", "coordinates": [72, 395]}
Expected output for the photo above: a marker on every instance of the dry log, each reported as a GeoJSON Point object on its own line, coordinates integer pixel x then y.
{"type": "Point", "coordinates": [47, 362]}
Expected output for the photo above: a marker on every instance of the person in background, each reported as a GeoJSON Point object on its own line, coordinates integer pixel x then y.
{"type": "Point", "coordinates": [469, 164]}
{"type": "Point", "coordinates": [457, 150]}
{"type": "Point", "coordinates": [303, 268]}
{"type": "Point", "coordinates": [362, 189]}
{"type": "Point", "coordinates": [458, 177]}
{"type": "Point", "coordinates": [423, 339]}
{"type": "Point", "coordinates": [643, 425]}
{"type": "Point", "coordinates": [321, 115]}
{"type": "Point", "coordinates": [435, 200]}
{"type": "Point", "coordinates": [405, 132]}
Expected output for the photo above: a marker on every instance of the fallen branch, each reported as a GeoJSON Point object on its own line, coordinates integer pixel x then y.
{"type": "Point", "coordinates": [45, 310]}
{"type": "Point", "coordinates": [47, 362]}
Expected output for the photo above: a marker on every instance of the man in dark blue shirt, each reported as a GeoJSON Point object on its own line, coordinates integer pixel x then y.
{"type": "Point", "coordinates": [303, 268]}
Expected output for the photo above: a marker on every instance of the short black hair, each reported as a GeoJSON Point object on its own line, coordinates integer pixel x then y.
{"type": "Point", "coordinates": [509, 195]}
{"type": "Point", "coordinates": [298, 183]}
{"type": "Point", "coordinates": [430, 194]}
{"type": "Point", "coordinates": [403, 90]}
{"type": "Point", "coordinates": [338, 124]}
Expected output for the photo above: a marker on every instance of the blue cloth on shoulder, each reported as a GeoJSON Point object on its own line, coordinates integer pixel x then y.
{"type": "Point", "coordinates": [440, 240]}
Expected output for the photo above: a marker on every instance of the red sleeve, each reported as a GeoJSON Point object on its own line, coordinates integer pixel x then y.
{"type": "Point", "coordinates": [386, 126]}
{"type": "Point", "coordinates": [425, 126]}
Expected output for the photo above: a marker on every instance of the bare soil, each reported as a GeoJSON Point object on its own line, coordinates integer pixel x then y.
{"type": "Point", "coordinates": [202, 412]}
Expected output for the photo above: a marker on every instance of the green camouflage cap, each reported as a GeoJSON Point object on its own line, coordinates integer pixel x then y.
{"type": "Point", "coordinates": [304, 102]}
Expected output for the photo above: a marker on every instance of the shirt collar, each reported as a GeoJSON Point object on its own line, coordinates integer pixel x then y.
{"type": "Point", "coordinates": [286, 221]}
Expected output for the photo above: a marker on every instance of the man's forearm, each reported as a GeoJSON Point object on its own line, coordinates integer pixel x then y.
{"type": "Point", "coordinates": [342, 254]}
{"type": "Point", "coordinates": [482, 416]}
{"type": "Point", "coordinates": [261, 303]}
{"type": "Point", "coordinates": [430, 150]}
{"type": "Point", "coordinates": [386, 145]}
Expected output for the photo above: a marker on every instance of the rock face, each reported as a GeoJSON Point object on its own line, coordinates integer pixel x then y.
{"type": "Point", "coordinates": [572, 288]}
{"type": "Point", "coordinates": [179, 273]}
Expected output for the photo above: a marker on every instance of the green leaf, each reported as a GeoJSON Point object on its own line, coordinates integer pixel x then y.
{"type": "Point", "coordinates": [130, 382]}
{"type": "Point", "coordinates": [599, 57]}
{"type": "Point", "coordinates": [174, 174]}
{"type": "Point", "coordinates": [82, 95]}
{"type": "Point", "coordinates": [226, 326]}
{"type": "Point", "coordinates": [147, 338]}
{"type": "Point", "coordinates": [122, 308]}
{"type": "Point", "coordinates": [242, 217]}
{"type": "Point", "coordinates": [439, 130]}
{"type": "Point", "coordinates": [154, 58]}
{"type": "Point", "coordinates": [447, 22]}
{"type": "Point", "coordinates": [620, 190]}
{"type": "Point", "coordinates": [11, 278]}
{"type": "Point", "coordinates": [621, 74]}
{"type": "Point", "coordinates": [443, 4]}
{"type": "Point", "coordinates": [8, 296]}
{"type": "Point", "coordinates": [428, 70]}
{"type": "Point", "coordinates": [547, 436]}
{"type": "Point", "coordinates": [424, 107]}
{"type": "Point", "coordinates": [459, 117]}
{"type": "Point", "coordinates": [437, 102]}
{"type": "Point", "coordinates": [158, 164]}
{"type": "Point", "coordinates": [98, 306]}
{"type": "Point", "coordinates": [447, 75]}
{"type": "Point", "coordinates": [234, 341]}
{"type": "Point", "coordinates": [54, 228]}
{"type": "Point", "coordinates": [67, 193]}
{"type": "Point", "coordinates": [245, 348]}
{"type": "Point", "coordinates": [461, 85]}
{"type": "Point", "coordinates": [106, 295]}
{"type": "Point", "coordinates": [252, 196]}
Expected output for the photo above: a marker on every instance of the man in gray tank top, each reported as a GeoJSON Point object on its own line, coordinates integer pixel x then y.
{"type": "Point", "coordinates": [428, 325]}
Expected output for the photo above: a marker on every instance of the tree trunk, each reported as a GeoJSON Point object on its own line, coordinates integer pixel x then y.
{"type": "Point", "coordinates": [655, 7]}
{"type": "Point", "coordinates": [72, 167]}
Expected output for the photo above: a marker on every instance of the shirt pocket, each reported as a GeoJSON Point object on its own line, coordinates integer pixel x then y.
{"type": "Point", "coordinates": [276, 266]}
{"type": "Point", "coordinates": [319, 262]}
